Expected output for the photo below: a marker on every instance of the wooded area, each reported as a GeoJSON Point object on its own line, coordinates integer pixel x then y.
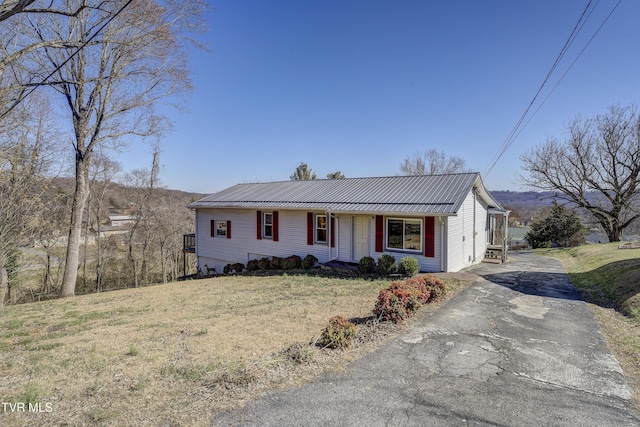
{"type": "Point", "coordinates": [79, 80]}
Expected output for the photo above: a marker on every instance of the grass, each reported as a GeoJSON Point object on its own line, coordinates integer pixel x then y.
{"type": "Point", "coordinates": [609, 279]}
{"type": "Point", "coordinates": [182, 351]}
{"type": "Point", "coordinates": [606, 276]}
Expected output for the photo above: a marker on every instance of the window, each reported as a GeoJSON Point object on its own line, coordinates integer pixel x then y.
{"type": "Point", "coordinates": [221, 228]}
{"type": "Point", "coordinates": [321, 228]}
{"type": "Point", "coordinates": [267, 230]}
{"type": "Point", "coordinates": [404, 234]}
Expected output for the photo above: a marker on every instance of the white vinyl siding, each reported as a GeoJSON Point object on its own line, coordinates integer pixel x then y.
{"type": "Point", "coordinates": [343, 238]}
{"type": "Point", "coordinates": [244, 246]}
{"type": "Point", "coordinates": [460, 253]}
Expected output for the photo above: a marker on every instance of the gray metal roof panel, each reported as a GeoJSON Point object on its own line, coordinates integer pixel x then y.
{"type": "Point", "coordinates": [424, 194]}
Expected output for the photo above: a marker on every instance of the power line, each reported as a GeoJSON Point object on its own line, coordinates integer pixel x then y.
{"type": "Point", "coordinates": [94, 35]}
{"type": "Point", "coordinates": [519, 127]}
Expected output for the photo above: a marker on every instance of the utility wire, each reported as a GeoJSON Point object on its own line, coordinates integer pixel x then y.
{"type": "Point", "coordinates": [94, 35]}
{"type": "Point", "coordinates": [518, 128]}
{"type": "Point", "coordinates": [510, 137]}
{"type": "Point", "coordinates": [567, 71]}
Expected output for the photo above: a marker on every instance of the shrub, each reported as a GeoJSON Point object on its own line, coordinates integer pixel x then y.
{"type": "Point", "coordinates": [437, 287]}
{"type": "Point", "coordinates": [418, 287]}
{"type": "Point", "coordinates": [291, 263]}
{"type": "Point", "coordinates": [390, 306]}
{"type": "Point", "coordinates": [338, 333]}
{"type": "Point", "coordinates": [386, 264]}
{"type": "Point", "coordinates": [402, 298]}
{"type": "Point", "coordinates": [276, 263]}
{"type": "Point", "coordinates": [308, 262]}
{"type": "Point", "coordinates": [238, 267]}
{"type": "Point", "coordinates": [409, 266]}
{"type": "Point", "coordinates": [561, 227]}
{"type": "Point", "coordinates": [253, 265]}
{"type": "Point", "coordinates": [227, 269]}
{"type": "Point", "coordinates": [366, 265]}
{"type": "Point", "coordinates": [263, 263]}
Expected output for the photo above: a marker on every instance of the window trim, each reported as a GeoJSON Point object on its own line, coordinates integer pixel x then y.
{"type": "Point", "coordinates": [404, 221]}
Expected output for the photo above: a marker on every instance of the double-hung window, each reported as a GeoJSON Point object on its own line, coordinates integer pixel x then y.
{"type": "Point", "coordinates": [404, 234]}
{"type": "Point", "coordinates": [321, 229]}
{"type": "Point", "coordinates": [267, 225]}
{"type": "Point", "coordinates": [221, 228]}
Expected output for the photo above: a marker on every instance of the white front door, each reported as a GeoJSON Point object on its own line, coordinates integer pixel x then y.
{"type": "Point", "coordinates": [360, 237]}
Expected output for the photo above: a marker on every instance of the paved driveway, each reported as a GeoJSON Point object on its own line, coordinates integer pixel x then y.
{"type": "Point", "coordinates": [518, 348]}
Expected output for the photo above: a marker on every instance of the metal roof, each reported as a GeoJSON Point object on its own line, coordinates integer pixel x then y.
{"type": "Point", "coordinates": [422, 194]}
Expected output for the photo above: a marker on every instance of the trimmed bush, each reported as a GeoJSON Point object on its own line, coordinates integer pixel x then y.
{"type": "Point", "coordinates": [291, 263]}
{"type": "Point", "coordinates": [402, 298]}
{"type": "Point", "coordinates": [437, 287]}
{"type": "Point", "coordinates": [276, 263]}
{"type": "Point", "coordinates": [409, 266]}
{"type": "Point", "coordinates": [338, 333]}
{"type": "Point", "coordinates": [238, 267]}
{"type": "Point", "coordinates": [386, 264]}
{"type": "Point", "coordinates": [366, 265]}
{"type": "Point", "coordinates": [391, 306]}
{"type": "Point", "coordinates": [263, 263]}
{"type": "Point", "coordinates": [253, 265]}
{"type": "Point", "coordinates": [308, 262]}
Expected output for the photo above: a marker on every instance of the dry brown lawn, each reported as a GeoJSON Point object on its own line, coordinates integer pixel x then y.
{"type": "Point", "coordinates": [609, 280]}
{"type": "Point", "coordinates": [175, 354]}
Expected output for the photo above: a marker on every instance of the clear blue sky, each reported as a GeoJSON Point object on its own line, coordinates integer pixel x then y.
{"type": "Point", "coordinates": [357, 86]}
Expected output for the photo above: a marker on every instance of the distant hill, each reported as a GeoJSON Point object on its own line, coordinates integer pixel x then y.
{"type": "Point", "coordinates": [67, 185]}
{"type": "Point", "coordinates": [524, 198]}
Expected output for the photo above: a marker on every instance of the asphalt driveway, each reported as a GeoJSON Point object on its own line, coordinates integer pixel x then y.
{"type": "Point", "coordinates": [518, 348]}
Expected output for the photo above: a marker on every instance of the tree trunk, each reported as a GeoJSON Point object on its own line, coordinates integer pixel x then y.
{"type": "Point", "coordinates": [4, 282]}
{"type": "Point", "coordinates": [75, 229]}
{"type": "Point", "coordinates": [98, 260]}
{"type": "Point", "coordinates": [46, 283]}
{"type": "Point", "coordinates": [615, 234]}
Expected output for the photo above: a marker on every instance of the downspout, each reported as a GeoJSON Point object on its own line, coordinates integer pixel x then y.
{"type": "Point", "coordinates": [329, 233]}
{"type": "Point", "coordinates": [196, 231]}
{"type": "Point", "coordinates": [473, 240]}
{"type": "Point", "coordinates": [443, 252]}
{"type": "Point", "coordinates": [505, 246]}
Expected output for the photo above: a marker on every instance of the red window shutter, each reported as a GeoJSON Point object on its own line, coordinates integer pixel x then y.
{"type": "Point", "coordinates": [429, 237]}
{"type": "Point", "coordinates": [274, 220]}
{"type": "Point", "coordinates": [259, 225]}
{"type": "Point", "coordinates": [333, 232]}
{"type": "Point", "coordinates": [228, 229]}
{"type": "Point", "coordinates": [213, 228]}
{"type": "Point", "coordinates": [309, 228]}
{"type": "Point", "coordinates": [379, 233]}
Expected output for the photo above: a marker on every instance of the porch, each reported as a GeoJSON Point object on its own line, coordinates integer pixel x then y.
{"type": "Point", "coordinates": [498, 225]}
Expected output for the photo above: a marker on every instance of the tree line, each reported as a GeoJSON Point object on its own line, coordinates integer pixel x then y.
{"type": "Point", "coordinates": [80, 79]}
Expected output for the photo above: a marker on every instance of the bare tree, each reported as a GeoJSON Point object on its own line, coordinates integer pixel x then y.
{"type": "Point", "coordinates": [9, 8]}
{"type": "Point", "coordinates": [27, 148]}
{"type": "Point", "coordinates": [432, 162]}
{"type": "Point", "coordinates": [103, 170]}
{"type": "Point", "coordinates": [303, 173]}
{"type": "Point", "coordinates": [127, 63]}
{"type": "Point", "coordinates": [596, 167]}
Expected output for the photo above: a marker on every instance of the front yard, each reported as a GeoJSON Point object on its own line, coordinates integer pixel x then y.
{"type": "Point", "coordinates": [174, 354]}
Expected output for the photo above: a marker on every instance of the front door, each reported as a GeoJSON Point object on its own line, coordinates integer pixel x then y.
{"type": "Point", "coordinates": [360, 237]}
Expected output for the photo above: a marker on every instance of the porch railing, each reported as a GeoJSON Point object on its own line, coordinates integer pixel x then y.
{"type": "Point", "coordinates": [189, 243]}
